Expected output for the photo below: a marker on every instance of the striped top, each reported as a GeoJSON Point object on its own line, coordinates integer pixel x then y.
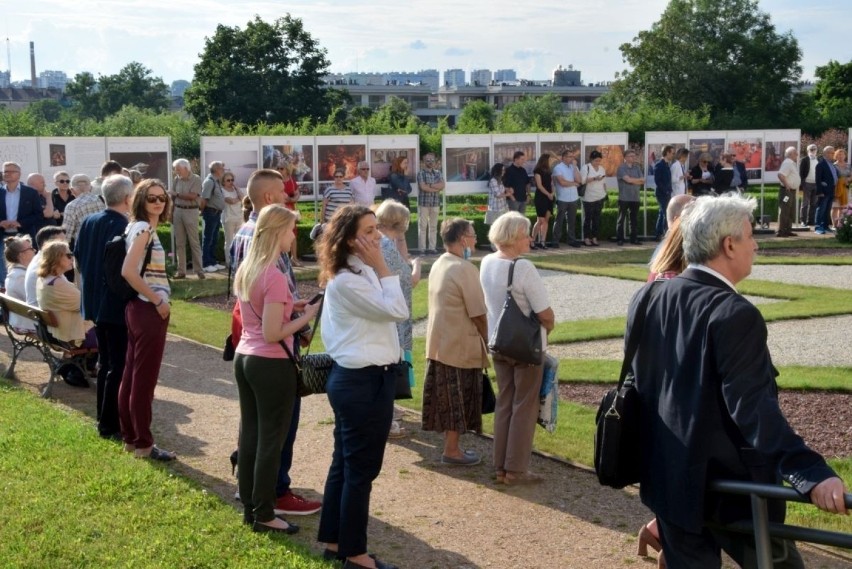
{"type": "Point", "coordinates": [335, 198]}
{"type": "Point", "coordinates": [155, 272]}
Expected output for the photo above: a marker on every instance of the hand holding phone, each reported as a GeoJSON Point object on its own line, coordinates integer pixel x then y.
{"type": "Point", "coordinates": [316, 298]}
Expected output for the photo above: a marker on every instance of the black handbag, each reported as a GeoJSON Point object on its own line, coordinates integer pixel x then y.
{"type": "Point", "coordinates": [312, 370]}
{"type": "Point", "coordinates": [489, 400]}
{"type": "Point", "coordinates": [618, 450]}
{"type": "Point", "coordinates": [403, 386]}
{"type": "Point", "coordinates": [516, 336]}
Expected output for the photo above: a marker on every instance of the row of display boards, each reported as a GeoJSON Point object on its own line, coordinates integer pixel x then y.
{"type": "Point", "coordinates": [465, 160]}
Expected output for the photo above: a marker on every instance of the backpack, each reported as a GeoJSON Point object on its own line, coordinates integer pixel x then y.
{"type": "Point", "coordinates": [114, 255]}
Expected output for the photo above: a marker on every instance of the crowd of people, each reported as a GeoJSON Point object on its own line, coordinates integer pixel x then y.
{"type": "Point", "coordinates": [697, 374]}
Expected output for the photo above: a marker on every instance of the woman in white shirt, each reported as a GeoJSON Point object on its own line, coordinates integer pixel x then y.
{"type": "Point", "coordinates": [594, 198]}
{"type": "Point", "coordinates": [19, 253]}
{"type": "Point", "coordinates": [363, 303]}
{"type": "Point", "coordinates": [232, 215]}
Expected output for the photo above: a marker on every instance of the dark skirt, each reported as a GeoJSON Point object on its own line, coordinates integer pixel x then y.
{"type": "Point", "coordinates": [452, 398]}
{"type": "Point", "coordinates": [543, 204]}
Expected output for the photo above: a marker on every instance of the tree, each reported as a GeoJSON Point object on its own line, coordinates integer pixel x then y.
{"type": "Point", "coordinates": [132, 85]}
{"type": "Point", "coordinates": [533, 114]}
{"type": "Point", "coordinates": [724, 54]}
{"type": "Point", "coordinates": [477, 117]}
{"type": "Point", "coordinates": [833, 92]}
{"type": "Point", "coordinates": [263, 73]}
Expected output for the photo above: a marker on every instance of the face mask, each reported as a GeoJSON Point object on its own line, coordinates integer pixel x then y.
{"type": "Point", "coordinates": [467, 253]}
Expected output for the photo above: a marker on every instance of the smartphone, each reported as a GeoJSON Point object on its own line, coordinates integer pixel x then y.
{"type": "Point", "coordinates": [317, 297]}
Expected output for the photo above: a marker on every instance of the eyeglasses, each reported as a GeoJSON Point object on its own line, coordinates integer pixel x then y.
{"type": "Point", "coordinates": [69, 255]}
{"type": "Point", "coordinates": [63, 181]}
{"type": "Point", "coordinates": [27, 249]}
{"type": "Point", "coordinates": [158, 198]}
{"type": "Point", "coordinates": [364, 169]}
{"type": "Point", "coordinates": [429, 161]}
{"type": "Point", "coordinates": [7, 172]}
{"type": "Point", "coordinates": [341, 177]}
{"type": "Point", "coordinates": [228, 180]}
{"type": "Point", "coordinates": [471, 235]}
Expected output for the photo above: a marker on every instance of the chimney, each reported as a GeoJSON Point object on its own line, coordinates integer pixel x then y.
{"type": "Point", "coordinates": [32, 65]}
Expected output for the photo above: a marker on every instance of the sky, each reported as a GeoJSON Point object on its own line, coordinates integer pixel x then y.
{"type": "Point", "coordinates": [533, 38]}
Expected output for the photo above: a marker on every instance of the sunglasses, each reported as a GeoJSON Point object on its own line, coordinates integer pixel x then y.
{"type": "Point", "coordinates": [228, 180]}
{"type": "Point", "coordinates": [341, 177]}
{"type": "Point", "coordinates": [362, 169]}
{"type": "Point", "coordinates": [154, 199]}
{"type": "Point", "coordinates": [63, 181]}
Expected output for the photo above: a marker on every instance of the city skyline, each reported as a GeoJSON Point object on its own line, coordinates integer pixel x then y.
{"type": "Point", "coordinates": [374, 37]}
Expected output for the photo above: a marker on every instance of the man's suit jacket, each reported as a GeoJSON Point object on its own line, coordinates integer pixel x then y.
{"type": "Point", "coordinates": [30, 210]}
{"type": "Point", "coordinates": [825, 180]}
{"type": "Point", "coordinates": [663, 178]}
{"type": "Point", "coordinates": [709, 403]}
{"type": "Point", "coordinates": [804, 168]}
{"type": "Point", "coordinates": [724, 178]}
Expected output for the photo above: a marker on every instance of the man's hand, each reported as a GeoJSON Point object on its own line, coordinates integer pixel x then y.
{"type": "Point", "coordinates": [828, 496]}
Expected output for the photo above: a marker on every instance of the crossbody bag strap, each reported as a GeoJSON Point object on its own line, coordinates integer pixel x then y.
{"type": "Point", "coordinates": [635, 333]}
{"type": "Point", "coordinates": [283, 344]}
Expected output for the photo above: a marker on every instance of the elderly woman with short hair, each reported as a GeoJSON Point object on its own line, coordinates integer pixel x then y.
{"type": "Point", "coordinates": [455, 344]}
{"type": "Point", "coordinates": [61, 296]}
{"type": "Point", "coordinates": [519, 383]}
{"type": "Point", "coordinates": [19, 252]}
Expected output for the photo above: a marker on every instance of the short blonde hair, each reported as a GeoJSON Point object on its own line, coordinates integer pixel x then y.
{"type": "Point", "coordinates": [508, 228]}
{"type": "Point", "coordinates": [392, 215]}
{"type": "Point", "coordinates": [51, 254]}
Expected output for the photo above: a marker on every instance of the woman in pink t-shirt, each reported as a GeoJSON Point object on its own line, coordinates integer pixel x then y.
{"type": "Point", "coordinates": [265, 375]}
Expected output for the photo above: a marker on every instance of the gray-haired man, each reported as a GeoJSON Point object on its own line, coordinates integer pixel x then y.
{"type": "Point", "coordinates": [186, 191]}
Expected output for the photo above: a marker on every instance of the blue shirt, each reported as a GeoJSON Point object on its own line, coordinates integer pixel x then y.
{"type": "Point", "coordinates": [100, 305]}
{"type": "Point", "coordinates": [565, 193]}
{"type": "Point", "coordinates": [13, 201]}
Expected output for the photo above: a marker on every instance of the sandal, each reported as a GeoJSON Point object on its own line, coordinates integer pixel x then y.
{"type": "Point", "coordinates": [159, 454]}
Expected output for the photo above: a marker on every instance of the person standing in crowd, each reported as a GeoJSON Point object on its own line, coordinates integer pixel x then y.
{"type": "Point", "coordinates": [680, 172]}
{"type": "Point", "coordinates": [788, 175]}
{"type": "Point", "coordinates": [566, 178]}
{"type": "Point", "coordinates": [697, 370]}
{"type": "Point", "coordinates": [516, 178]}
{"type": "Point", "coordinates": [61, 196]}
{"type": "Point", "coordinates": [663, 189]}
{"type": "Point", "coordinates": [20, 208]}
{"type": "Point", "coordinates": [594, 176]}
{"type": "Point", "coordinates": [147, 317]}
{"type": "Point", "coordinates": [232, 215]}
{"type": "Point", "coordinates": [363, 186]}
{"type": "Point", "coordinates": [19, 254]}
{"type": "Point", "coordinates": [393, 218]}
{"type": "Point", "coordinates": [730, 174]}
{"type": "Point", "coordinates": [335, 196]}
{"type": "Point", "coordinates": [498, 194]}
{"type": "Point", "coordinates": [108, 168]}
{"type": "Point", "coordinates": [364, 301]}
{"type": "Point", "coordinates": [37, 182]}
{"type": "Point", "coordinates": [400, 185]}
{"type": "Point", "coordinates": [186, 190]}
{"type": "Point", "coordinates": [265, 375]}
{"type": "Point", "coordinates": [100, 304]}
{"type": "Point", "coordinates": [702, 180]}
{"type": "Point", "coordinates": [291, 199]}
{"type": "Point", "coordinates": [455, 344]}
{"type": "Point", "coordinates": [630, 182]}
{"type": "Point", "coordinates": [44, 236]}
{"type": "Point", "coordinates": [544, 198]}
{"type": "Point", "coordinates": [60, 296]}
{"type": "Point", "coordinates": [266, 188]}
{"type": "Point", "coordinates": [519, 383]}
{"type": "Point", "coordinates": [826, 181]}
{"type": "Point", "coordinates": [211, 202]}
{"type": "Point", "coordinates": [807, 172]}
{"type": "Point", "coordinates": [430, 183]}
{"type": "Point", "coordinates": [85, 204]}
{"type": "Point", "coordinates": [841, 189]}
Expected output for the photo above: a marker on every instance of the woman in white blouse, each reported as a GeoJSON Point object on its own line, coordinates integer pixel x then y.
{"type": "Point", "coordinates": [232, 215]}
{"type": "Point", "coordinates": [19, 253]}
{"type": "Point", "coordinates": [593, 201]}
{"type": "Point", "coordinates": [363, 303]}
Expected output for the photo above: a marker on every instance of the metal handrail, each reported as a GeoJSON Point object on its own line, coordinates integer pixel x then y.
{"type": "Point", "coordinates": [763, 529]}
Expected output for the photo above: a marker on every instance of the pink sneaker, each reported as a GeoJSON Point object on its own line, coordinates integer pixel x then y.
{"type": "Point", "coordinates": [294, 505]}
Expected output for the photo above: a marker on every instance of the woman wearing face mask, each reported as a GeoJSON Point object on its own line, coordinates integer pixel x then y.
{"type": "Point", "coordinates": [455, 344]}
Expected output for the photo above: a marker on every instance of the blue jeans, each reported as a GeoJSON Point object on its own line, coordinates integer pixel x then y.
{"type": "Point", "coordinates": [212, 222]}
{"type": "Point", "coordinates": [282, 486]}
{"type": "Point", "coordinates": [822, 218]}
{"type": "Point", "coordinates": [662, 224]}
{"type": "Point", "coordinates": [362, 400]}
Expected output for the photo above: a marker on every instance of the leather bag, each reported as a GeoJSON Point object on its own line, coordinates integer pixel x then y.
{"type": "Point", "coordinates": [618, 449]}
{"type": "Point", "coordinates": [489, 400]}
{"type": "Point", "coordinates": [516, 336]}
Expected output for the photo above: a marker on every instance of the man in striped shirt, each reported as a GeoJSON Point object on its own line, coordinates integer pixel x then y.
{"type": "Point", "coordinates": [430, 183]}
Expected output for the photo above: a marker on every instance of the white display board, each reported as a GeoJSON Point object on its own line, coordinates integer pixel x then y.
{"type": "Point", "coordinates": [150, 155]}
{"type": "Point", "coordinates": [654, 144]}
{"type": "Point", "coordinates": [775, 143]}
{"type": "Point", "coordinates": [240, 154]}
{"type": "Point", "coordinates": [298, 152]}
{"type": "Point", "coordinates": [83, 155]}
{"type": "Point", "coordinates": [504, 146]}
{"type": "Point", "coordinates": [338, 153]}
{"type": "Point", "coordinates": [23, 151]}
{"type": "Point", "coordinates": [466, 163]}
{"type": "Point", "coordinates": [384, 151]}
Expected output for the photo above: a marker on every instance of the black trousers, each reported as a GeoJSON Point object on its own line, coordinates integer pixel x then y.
{"type": "Point", "coordinates": [112, 349]}
{"type": "Point", "coordinates": [685, 550]}
{"type": "Point", "coordinates": [627, 211]}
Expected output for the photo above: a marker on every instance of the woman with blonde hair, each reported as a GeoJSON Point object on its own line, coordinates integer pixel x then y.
{"type": "Point", "coordinates": [264, 372]}
{"type": "Point", "coordinates": [61, 296]}
{"type": "Point", "coordinates": [841, 189]}
{"type": "Point", "coordinates": [19, 252]}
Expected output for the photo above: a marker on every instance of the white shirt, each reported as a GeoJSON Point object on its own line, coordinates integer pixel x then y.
{"type": "Point", "coordinates": [30, 280]}
{"type": "Point", "coordinates": [713, 272]}
{"type": "Point", "coordinates": [678, 178]}
{"type": "Point", "coordinates": [16, 289]}
{"type": "Point", "coordinates": [595, 189]}
{"type": "Point", "coordinates": [811, 177]}
{"type": "Point", "coordinates": [363, 191]}
{"type": "Point", "coordinates": [790, 172]}
{"type": "Point", "coordinates": [360, 315]}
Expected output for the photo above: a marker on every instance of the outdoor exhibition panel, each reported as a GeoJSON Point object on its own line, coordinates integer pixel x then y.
{"type": "Point", "coordinates": [296, 152]}
{"type": "Point", "coordinates": [21, 150]}
{"type": "Point", "coordinates": [150, 155]}
{"type": "Point", "coordinates": [84, 155]}
{"type": "Point", "coordinates": [240, 154]}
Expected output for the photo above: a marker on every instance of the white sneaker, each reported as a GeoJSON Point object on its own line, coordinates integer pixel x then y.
{"type": "Point", "coordinates": [397, 431]}
{"type": "Point", "coordinates": [315, 231]}
{"type": "Point", "coordinates": [210, 269]}
{"type": "Point", "coordinates": [220, 267]}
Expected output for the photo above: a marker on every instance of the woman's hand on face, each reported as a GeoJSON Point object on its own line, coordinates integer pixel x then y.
{"type": "Point", "coordinates": [369, 251]}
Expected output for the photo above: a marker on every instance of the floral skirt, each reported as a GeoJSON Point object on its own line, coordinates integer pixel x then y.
{"type": "Point", "coordinates": [452, 398]}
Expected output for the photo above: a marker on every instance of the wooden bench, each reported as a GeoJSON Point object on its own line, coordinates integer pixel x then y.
{"type": "Point", "coordinates": [55, 353]}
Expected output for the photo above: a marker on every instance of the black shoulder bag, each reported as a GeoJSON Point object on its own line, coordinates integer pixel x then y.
{"type": "Point", "coordinates": [618, 452]}
{"type": "Point", "coordinates": [516, 336]}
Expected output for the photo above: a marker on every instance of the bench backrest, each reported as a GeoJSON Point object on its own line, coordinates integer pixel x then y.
{"type": "Point", "coordinates": [13, 305]}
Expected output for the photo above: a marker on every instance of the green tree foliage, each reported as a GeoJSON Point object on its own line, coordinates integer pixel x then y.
{"type": "Point", "coordinates": [263, 73]}
{"type": "Point", "coordinates": [477, 117]}
{"type": "Point", "coordinates": [639, 119]}
{"type": "Point", "coordinates": [833, 93]}
{"type": "Point", "coordinates": [132, 85]}
{"type": "Point", "coordinates": [722, 54]}
{"type": "Point", "coordinates": [533, 114]}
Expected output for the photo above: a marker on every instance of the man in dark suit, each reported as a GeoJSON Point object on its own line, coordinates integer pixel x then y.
{"type": "Point", "coordinates": [20, 209]}
{"type": "Point", "coordinates": [709, 398]}
{"type": "Point", "coordinates": [826, 179]}
{"type": "Point", "coordinates": [663, 189]}
{"type": "Point", "coordinates": [730, 175]}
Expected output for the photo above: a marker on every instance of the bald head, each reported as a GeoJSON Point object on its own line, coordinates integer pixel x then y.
{"type": "Point", "coordinates": [36, 181]}
{"type": "Point", "coordinates": [676, 206]}
{"type": "Point", "coordinates": [265, 187]}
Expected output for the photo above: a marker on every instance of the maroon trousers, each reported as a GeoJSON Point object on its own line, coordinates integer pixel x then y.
{"type": "Point", "coordinates": [146, 341]}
